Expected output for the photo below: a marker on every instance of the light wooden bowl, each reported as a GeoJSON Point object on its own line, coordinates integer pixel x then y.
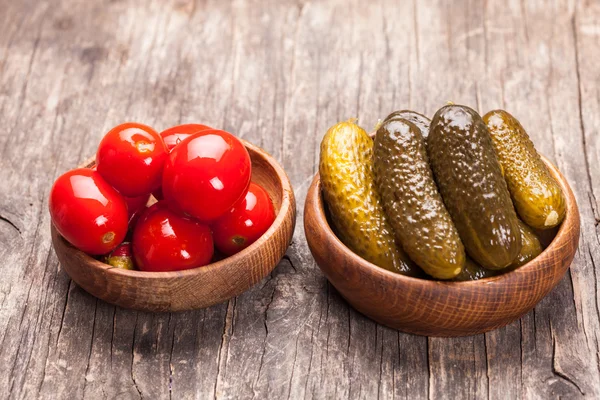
{"type": "Point", "coordinates": [199, 287]}
{"type": "Point", "coordinates": [435, 308]}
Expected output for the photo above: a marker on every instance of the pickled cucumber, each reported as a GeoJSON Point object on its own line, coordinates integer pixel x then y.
{"type": "Point", "coordinates": [346, 171]}
{"type": "Point", "coordinates": [469, 179]}
{"type": "Point", "coordinates": [473, 272]}
{"type": "Point", "coordinates": [412, 202]}
{"type": "Point", "coordinates": [531, 246]}
{"type": "Point", "coordinates": [420, 121]}
{"type": "Point", "coordinates": [536, 195]}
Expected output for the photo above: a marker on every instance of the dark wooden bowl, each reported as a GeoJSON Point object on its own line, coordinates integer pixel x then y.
{"type": "Point", "coordinates": [199, 287]}
{"type": "Point", "coordinates": [436, 308]}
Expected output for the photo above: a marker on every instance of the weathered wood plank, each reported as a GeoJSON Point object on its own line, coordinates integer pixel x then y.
{"type": "Point", "coordinates": [279, 74]}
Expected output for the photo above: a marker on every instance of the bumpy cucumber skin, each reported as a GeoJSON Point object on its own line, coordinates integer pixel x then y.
{"type": "Point", "coordinates": [412, 202]}
{"type": "Point", "coordinates": [531, 246]}
{"type": "Point", "coordinates": [470, 181]}
{"type": "Point", "coordinates": [420, 121]}
{"type": "Point", "coordinates": [346, 171]}
{"type": "Point", "coordinates": [536, 195]}
{"type": "Point", "coordinates": [473, 272]}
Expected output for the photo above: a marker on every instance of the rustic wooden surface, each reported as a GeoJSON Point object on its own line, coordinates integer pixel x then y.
{"type": "Point", "coordinates": [279, 73]}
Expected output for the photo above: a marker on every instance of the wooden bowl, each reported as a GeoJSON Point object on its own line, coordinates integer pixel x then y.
{"type": "Point", "coordinates": [199, 287]}
{"type": "Point", "coordinates": [436, 308]}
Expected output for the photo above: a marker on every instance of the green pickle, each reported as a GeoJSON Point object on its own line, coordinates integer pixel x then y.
{"type": "Point", "coordinates": [411, 200]}
{"type": "Point", "coordinates": [530, 249]}
{"type": "Point", "coordinates": [473, 272]}
{"type": "Point", "coordinates": [531, 246]}
{"type": "Point", "coordinates": [536, 195]}
{"type": "Point", "coordinates": [419, 120]}
{"type": "Point", "coordinates": [474, 191]}
{"type": "Point", "coordinates": [346, 171]}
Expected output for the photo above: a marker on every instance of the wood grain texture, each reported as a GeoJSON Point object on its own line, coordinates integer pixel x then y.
{"type": "Point", "coordinates": [279, 73]}
{"type": "Point", "coordinates": [439, 308]}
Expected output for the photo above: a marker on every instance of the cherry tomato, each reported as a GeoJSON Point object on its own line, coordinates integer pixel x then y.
{"type": "Point", "coordinates": [87, 211]}
{"type": "Point", "coordinates": [176, 134]}
{"type": "Point", "coordinates": [207, 174]}
{"type": "Point", "coordinates": [136, 204]}
{"type": "Point", "coordinates": [164, 240]}
{"type": "Point", "coordinates": [248, 220]}
{"type": "Point", "coordinates": [121, 257]}
{"type": "Point", "coordinates": [131, 157]}
{"type": "Point", "coordinates": [172, 137]}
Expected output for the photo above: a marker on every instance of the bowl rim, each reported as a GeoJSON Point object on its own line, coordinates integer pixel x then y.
{"type": "Point", "coordinates": [287, 207]}
{"type": "Point", "coordinates": [571, 214]}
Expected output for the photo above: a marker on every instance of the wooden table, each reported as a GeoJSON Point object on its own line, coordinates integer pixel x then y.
{"type": "Point", "coordinates": [279, 73]}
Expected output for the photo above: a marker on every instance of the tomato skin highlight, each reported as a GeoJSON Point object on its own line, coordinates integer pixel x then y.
{"type": "Point", "coordinates": [164, 240]}
{"type": "Point", "coordinates": [247, 221]}
{"type": "Point", "coordinates": [131, 157]}
{"type": "Point", "coordinates": [88, 212]}
{"type": "Point", "coordinates": [172, 137]}
{"type": "Point", "coordinates": [207, 174]}
{"type": "Point", "coordinates": [177, 134]}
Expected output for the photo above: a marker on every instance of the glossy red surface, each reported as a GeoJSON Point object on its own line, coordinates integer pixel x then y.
{"type": "Point", "coordinates": [131, 157]}
{"type": "Point", "coordinates": [136, 204]}
{"type": "Point", "coordinates": [177, 134]}
{"type": "Point", "coordinates": [121, 257]}
{"type": "Point", "coordinates": [247, 221]}
{"type": "Point", "coordinates": [207, 174]}
{"type": "Point", "coordinates": [164, 240]}
{"type": "Point", "coordinates": [88, 212]}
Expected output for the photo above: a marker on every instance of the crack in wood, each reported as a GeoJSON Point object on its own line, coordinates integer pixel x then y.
{"type": "Point", "coordinates": [225, 338]}
{"type": "Point", "coordinates": [135, 385]}
{"type": "Point", "coordinates": [595, 281]}
{"type": "Point", "coordinates": [62, 316]}
{"type": "Point", "coordinates": [264, 347]}
{"type": "Point", "coordinates": [487, 362]}
{"type": "Point", "coordinates": [87, 367]}
{"type": "Point", "coordinates": [555, 367]}
{"type": "Point", "coordinates": [171, 378]}
{"type": "Point", "coordinates": [10, 223]}
{"type": "Point", "coordinates": [429, 370]}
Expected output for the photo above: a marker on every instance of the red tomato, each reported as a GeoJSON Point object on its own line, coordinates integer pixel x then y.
{"type": "Point", "coordinates": [136, 204]}
{"type": "Point", "coordinates": [164, 240]}
{"type": "Point", "coordinates": [87, 211]}
{"type": "Point", "coordinates": [121, 257]}
{"type": "Point", "coordinates": [172, 137]}
{"type": "Point", "coordinates": [131, 157]}
{"type": "Point", "coordinates": [207, 174]}
{"type": "Point", "coordinates": [176, 134]}
{"type": "Point", "coordinates": [245, 222]}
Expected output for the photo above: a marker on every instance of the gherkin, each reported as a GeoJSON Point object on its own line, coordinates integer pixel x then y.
{"type": "Point", "coordinates": [531, 246]}
{"type": "Point", "coordinates": [536, 195]}
{"type": "Point", "coordinates": [470, 181]}
{"type": "Point", "coordinates": [411, 200]}
{"type": "Point", "coordinates": [473, 272]}
{"type": "Point", "coordinates": [419, 120]}
{"type": "Point", "coordinates": [346, 172]}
